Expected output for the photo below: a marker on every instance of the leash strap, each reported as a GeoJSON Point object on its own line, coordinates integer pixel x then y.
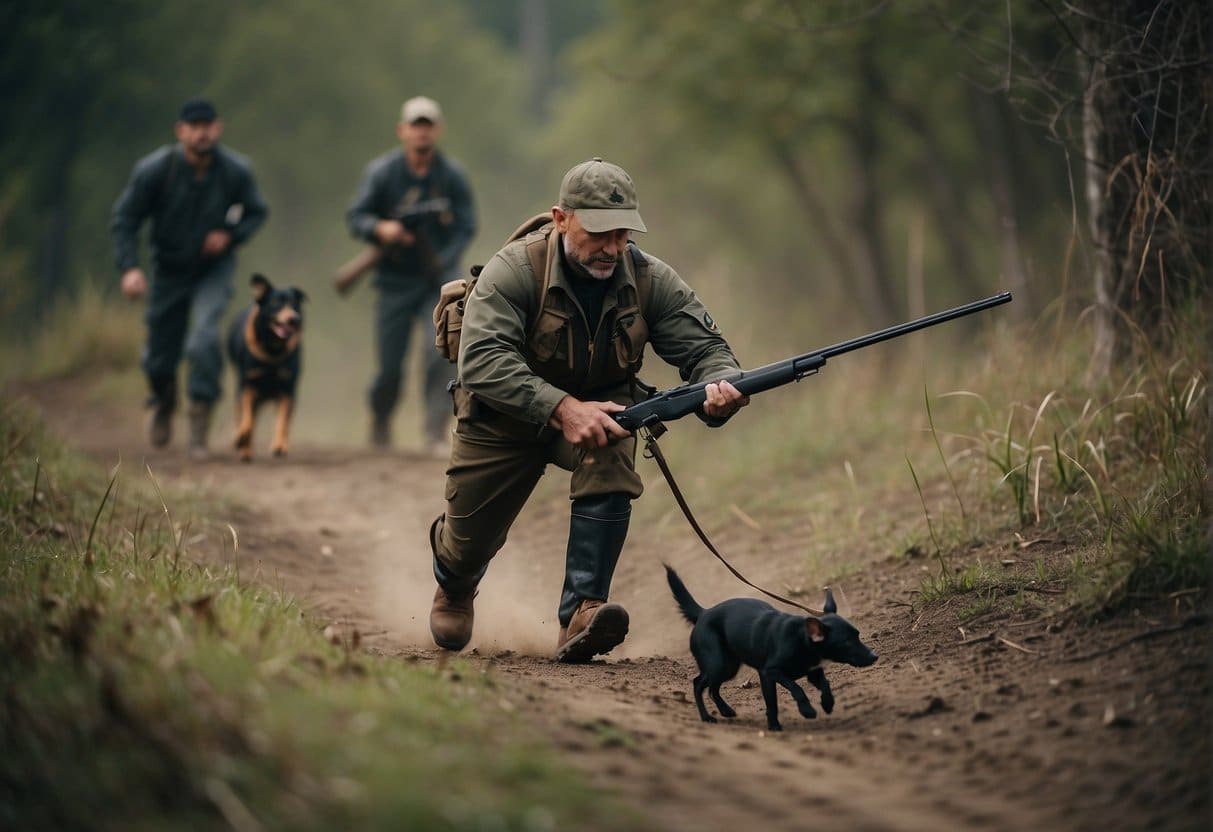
{"type": "Point", "coordinates": [652, 451]}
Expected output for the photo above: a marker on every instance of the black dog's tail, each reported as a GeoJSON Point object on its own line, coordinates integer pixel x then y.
{"type": "Point", "coordinates": [689, 606]}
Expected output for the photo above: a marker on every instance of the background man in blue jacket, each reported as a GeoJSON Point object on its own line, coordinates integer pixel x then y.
{"type": "Point", "coordinates": [415, 204]}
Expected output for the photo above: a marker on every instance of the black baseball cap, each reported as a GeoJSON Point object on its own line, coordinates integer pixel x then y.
{"type": "Point", "coordinates": [197, 109]}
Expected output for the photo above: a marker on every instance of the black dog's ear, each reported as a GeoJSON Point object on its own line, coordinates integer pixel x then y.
{"type": "Point", "coordinates": [300, 295]}
{"type": "Point", "coordinates": [261, 286]}
{"type": "Point", "coordinates": [830, 606]}
{"type": "Point", "coordinates": [817, 630]}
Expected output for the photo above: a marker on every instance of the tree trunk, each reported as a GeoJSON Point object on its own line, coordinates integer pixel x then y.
{"type": "Point", "coordinates": [1146, 135]}
{"type": "Point", "coordinates": [993, 130]}
{"type": "Point", "coordinates": [868, 212]}
{"type": "Point", "coordinates": [536, 49]}
{"type": "Point", "coordinates": [821, 220]}
{"type": "Point", "coordinates": [945, 200]}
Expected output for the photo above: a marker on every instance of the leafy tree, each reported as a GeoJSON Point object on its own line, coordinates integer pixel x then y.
{"type": "Point", "coordinates": [862, 114]}
{"type": "Point", "coordinates": [79, 75]}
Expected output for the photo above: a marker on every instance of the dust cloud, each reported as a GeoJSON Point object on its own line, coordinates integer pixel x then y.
{"type": "Point", "coordinates": [517, 601]}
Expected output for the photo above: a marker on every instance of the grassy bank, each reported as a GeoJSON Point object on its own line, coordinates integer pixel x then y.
{"type": "Point", "coordinates": [1007, 473]}
{"type": "Point", "coordinates": [142, 690]}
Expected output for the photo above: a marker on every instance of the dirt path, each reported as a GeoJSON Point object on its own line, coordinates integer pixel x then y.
{"type": "Point", "coordinates": [1004, 726]}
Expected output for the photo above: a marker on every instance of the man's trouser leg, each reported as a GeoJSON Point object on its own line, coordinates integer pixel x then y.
{"type": "Point", "coordinates": [166, 317]}
{"type": "Point", "coordinates": [395, 311]}
{"type": "Point", "coordinates": [438, 373]}
{"type": "Point", "coordinates": [212, 292]}
{"type": "Point", "coordinates": [203, 347]}
{"type": "Point", "coordinates": [492, 472]}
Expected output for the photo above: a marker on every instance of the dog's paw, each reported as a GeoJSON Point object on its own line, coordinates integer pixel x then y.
{"type": "Point", "coordinates": [827, 702]}
{"type": "Point", "coordinates": [806, 710]}
{"type": "Point", "coordinates": [727, 712]}
{"type": "Point", "coordinates": [773, 725]}
{"type": "Point", "coordinates": [279, 451]}
{"type": "Point", "coordinates": [244, 440]}
{"type": "Point", "coordinates": [709, 718]}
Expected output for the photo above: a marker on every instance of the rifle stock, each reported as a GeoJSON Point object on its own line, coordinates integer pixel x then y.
{"type": "Point", "coordinates": [688, 398]}
{"type": "Point", "coordinates": [349, 272]}
{"type": "Point", "coordinates": [410, 216]}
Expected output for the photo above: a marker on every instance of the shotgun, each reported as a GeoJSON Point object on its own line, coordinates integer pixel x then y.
{"type": "Point", "coordinates": [686, 399]}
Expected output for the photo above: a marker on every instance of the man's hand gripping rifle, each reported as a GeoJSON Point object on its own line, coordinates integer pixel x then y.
{"type": "Point", "coordinates": [677, 402]}
{"type": "Point", "coordinates": [411, 217]}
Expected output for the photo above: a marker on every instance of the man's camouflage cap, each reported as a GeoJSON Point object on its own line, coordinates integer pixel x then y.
{"type": "Point", "coordinates": [602, 195]}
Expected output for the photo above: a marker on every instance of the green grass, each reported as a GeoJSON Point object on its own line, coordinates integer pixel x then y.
{"type": "Point", "coordinates": [1117, 467]}
{"type": "Point", "coordinates": [142, 690]}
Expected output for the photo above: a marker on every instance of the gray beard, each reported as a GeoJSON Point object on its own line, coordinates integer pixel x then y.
{"type": "Point", "coordinates": [572, 258]}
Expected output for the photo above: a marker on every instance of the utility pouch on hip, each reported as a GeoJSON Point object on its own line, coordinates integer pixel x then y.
{"type": "Point", "coordinates": [448, 317]}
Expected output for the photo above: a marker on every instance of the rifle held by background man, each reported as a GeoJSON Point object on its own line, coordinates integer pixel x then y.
{"type": "Point", "coordinates": [411, 217]}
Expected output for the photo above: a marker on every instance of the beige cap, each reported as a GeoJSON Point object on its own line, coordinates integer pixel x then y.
{"type": "Point", "coordinates": [420, 107]}
{"type": "Point", "coordinates": [603, 197]}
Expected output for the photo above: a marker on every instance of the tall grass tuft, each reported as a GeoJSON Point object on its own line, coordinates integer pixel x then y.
{"type": "Point", "coordinates": [1121, 463]}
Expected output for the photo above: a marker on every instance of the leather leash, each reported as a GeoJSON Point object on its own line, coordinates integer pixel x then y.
{"type": "Point", "coordinates": [650, 433]}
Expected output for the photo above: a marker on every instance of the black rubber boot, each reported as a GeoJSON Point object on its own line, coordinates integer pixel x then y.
{"type": "Point", "coordinates": [597, 531]}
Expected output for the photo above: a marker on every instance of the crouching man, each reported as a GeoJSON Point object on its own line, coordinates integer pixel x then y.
{"type": "Point", "coordinates": [543, 363]}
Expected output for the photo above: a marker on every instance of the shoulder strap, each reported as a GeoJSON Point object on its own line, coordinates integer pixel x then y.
{"type": "Point", "coordinates": [537, 249]}
{"type": "Point", "coordinates": [644, 282]}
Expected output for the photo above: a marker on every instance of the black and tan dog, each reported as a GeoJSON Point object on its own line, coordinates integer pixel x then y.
{"type": "Point", "coordinates": [263, 345]}
{"type": "Point", "coordinates": [780, 646]}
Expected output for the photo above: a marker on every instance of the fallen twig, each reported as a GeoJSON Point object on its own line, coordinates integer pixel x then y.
{"type": "Point", "coordinates": [744, 518]}
{"type": "Point", "coordinates": [1018, 647]}
{"type": "Point", "coordinates": [977, 639]}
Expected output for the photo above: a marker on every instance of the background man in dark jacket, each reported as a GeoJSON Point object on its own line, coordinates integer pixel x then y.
{"type": "Point", "coordinates": [203, 202]}
{"type": "Point", "coordinates": [416, 205]}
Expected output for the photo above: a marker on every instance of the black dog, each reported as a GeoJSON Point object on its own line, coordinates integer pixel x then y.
{"type": "Point", "coordinates": [263, 345]}
{"type": "Point", "coordinates": [780, 646]}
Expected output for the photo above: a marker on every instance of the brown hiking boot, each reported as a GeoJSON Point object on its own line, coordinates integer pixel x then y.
{"type": "Point", "coordinates": [451, 619]}
{"type": "Point", "coordinates": [595, 628]}
{"type": "Point", "coordinates": [200, 426]}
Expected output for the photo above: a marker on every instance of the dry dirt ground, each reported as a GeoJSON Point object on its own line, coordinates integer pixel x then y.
{"type": "Point", "coordinates": [1010, 724]}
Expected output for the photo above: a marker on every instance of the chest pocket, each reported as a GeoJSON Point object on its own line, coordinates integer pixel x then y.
{"type": "Point", "coordinates": [552, 337]}
{"type": "Point", "coordinates": [630, 336]}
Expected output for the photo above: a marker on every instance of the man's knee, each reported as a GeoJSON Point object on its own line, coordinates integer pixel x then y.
{"type": "Point", "coordinates": [614, 506]}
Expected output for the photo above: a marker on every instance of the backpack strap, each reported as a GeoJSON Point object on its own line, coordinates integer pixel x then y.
{"type": "Point", "coordinates": [537, 249]}
{"type": "Point", "coordinates": [644, 282]}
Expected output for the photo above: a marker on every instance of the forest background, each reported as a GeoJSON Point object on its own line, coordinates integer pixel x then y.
{"type": "Point", "coordinates": [815, 170]}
